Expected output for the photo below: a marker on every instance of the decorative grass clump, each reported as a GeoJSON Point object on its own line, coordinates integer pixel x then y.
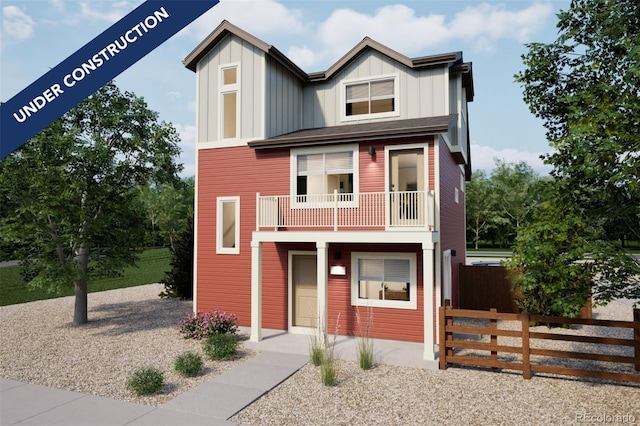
{"type": "Point", "coordinates": [221, 346]}
{"type": "Point", "coordinates": [364, 342]}
{"type": "Point", "coordinates": [188, 364]}
{"type": "Point", "coordinates": [146, 381]}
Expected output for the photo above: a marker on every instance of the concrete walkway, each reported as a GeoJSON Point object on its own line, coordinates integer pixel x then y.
{"type": "Point", "coordinates": [210, 403]}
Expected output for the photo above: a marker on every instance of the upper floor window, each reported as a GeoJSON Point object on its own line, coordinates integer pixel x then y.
{"type": "Point", "coordinates": [229, 101]}
{"type": "Point", "coordinates": [317, 174]}
{"type": "Point", "coordinates": [364, 98]}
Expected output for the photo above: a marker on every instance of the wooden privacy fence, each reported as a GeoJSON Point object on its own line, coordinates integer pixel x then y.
{"type": "Point", "coordinates": [486, 287]}
{"type": "Point", "coordinates": [521, 354]}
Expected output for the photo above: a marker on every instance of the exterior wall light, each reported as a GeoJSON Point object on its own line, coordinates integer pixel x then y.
{"type": "Point", "coordinates": [338, 270]}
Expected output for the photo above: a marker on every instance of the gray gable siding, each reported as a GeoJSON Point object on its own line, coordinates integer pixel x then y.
{"type": "Point", "coordinates": [229, 51]}
{"type": "Point", "coordinates": [421, 93]}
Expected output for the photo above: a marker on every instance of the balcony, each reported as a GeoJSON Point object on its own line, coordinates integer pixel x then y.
{"type": "Point", "coordinates": [399, 211]}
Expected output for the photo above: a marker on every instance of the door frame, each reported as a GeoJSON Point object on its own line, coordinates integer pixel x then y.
{"type": "Point", "coordinates": [291, 328]}
{"type": "Point", "coordinates": [387, 176]}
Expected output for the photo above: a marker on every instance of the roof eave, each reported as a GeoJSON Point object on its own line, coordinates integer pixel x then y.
{"type": "Point", "coordinates": [372, 135]}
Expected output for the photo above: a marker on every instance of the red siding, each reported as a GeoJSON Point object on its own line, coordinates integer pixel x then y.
{"type": "Point", "coordinates": [395, 324]}
{"type": "Point", "coordinates": [452, 215]}
{"type": "Point", "coordinates": [224, 280]}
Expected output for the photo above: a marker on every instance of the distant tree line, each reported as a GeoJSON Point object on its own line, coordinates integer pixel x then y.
{"type": "Point", "coordinates": [500, 202]}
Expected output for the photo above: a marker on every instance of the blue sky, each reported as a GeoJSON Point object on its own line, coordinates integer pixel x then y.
{"type": "Point", "coordinates": [39, 34]}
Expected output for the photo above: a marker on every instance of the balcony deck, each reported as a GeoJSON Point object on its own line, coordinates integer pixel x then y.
{"type": "Point", "coordinates": [401, 211]}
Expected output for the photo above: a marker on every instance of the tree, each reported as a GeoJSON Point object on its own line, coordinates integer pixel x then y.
{"type": "Point", "coordinates": [515, 186]}
{"type": "Point", "coordinates": [480, 205]}
{"type": "Point", "coordinates": [498, 205]}
{"type": "Point", "coordinates": [585, 86]}
{"type": "Point", "coordinates": [71, 190]}
{"type": "Point", "coordinates": [178, 282]}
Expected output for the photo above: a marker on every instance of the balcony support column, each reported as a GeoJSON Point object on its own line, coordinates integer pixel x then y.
{"type": "Point", "coordinates": [256, 291]}
{"type": "Point", "coordinates": [322, 266]}
{"type": "Point", "coordinates": [429, 302]}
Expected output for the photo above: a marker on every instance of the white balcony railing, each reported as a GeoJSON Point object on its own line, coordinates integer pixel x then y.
{"type": "Point", "coordinates": [372, 210]}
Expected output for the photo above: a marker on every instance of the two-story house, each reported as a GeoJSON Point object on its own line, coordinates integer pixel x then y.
{"type": "Point", "coordinates": [320, 194]}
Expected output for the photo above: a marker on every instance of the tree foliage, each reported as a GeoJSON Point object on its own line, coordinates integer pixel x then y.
{"type": "Point", "coordinates": [167, 208]}
{"type": "Point", "coordinates": [70, 193]}
{"type": "Point", "coordinates": [497, 205]}
{"type": "Point", "coordinates": [178, 282]}
{"type": "Point", "coordinates": [585, 87]}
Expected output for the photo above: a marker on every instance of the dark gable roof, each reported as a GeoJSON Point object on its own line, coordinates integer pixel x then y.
{"type": "Point", "coordinates": [453, 59]}
{"type": "Point", "coordinates": [392, 129]}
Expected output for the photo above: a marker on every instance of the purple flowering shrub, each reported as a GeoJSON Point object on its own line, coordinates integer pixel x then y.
{"type": "Point", "coordinates": [204, 324]}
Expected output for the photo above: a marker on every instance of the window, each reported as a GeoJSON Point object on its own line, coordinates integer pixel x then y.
{"type": "Point", "coordinates": [319, 173]}
{"type": "Point", "coordinates": [229, 89]}
{"type": "Point", "coordinates": [384, 280]}
{"type": "Point", "coordinates": [228, 225]}
{"type": "Point", "coordinates": [370, 98]}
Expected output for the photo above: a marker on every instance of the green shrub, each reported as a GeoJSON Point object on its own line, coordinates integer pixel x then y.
{"type": "Point", "coordinates": [188, 364]}
{"type": "Point", "coordinates": [178, 282]}
{"type": "Point", "coordinates": [221, 346]}
{"type": "Point", "coordinates": [146, 381]}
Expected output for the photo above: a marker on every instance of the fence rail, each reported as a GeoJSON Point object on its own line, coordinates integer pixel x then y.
{"type": "Point", "coordinates": [524, 351]}
{"type": "Point", "coordinates": [402, 209]}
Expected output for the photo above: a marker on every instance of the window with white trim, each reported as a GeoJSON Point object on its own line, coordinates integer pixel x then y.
{"type": "Point", "coordinates": [317, 174]}
{"type": "Point", "coordinates": [228, 225]}
{"type": "Point", "coordinates": [229, 101]}
{"type": "Point", "coordinates": [370, 98]}
{"type": "Point", "coordinates": [384, 280]}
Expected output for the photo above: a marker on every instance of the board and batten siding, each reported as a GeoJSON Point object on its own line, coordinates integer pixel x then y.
{"type": "Point", "coordinates": [421, 93]}
{"type": "Point", "coordinates": [231, 50]}
{"type": "Point", "coordinates": [452, 214]}
{"type": "Point", "coordinates": [283, 100]}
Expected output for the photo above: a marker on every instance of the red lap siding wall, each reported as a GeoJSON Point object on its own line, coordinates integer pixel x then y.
{"type": "Point", "coordinates": [224, 280]}
{"type": "Point", "coordinates": [452, 215]}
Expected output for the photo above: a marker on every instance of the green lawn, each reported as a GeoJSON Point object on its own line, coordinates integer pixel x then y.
{"type": "Point", "coordinates": [150, 269]}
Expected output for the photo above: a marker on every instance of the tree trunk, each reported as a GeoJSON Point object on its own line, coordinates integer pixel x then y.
{"type": "Point", "coordinates": [80, 309]}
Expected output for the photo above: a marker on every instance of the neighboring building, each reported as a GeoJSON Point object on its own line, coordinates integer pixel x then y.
{"type": "Point", "coordinates": [321, 193]}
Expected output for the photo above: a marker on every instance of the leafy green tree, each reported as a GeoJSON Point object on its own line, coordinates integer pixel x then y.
{"type": "Point", "coordinates": [515, 187]}
{"type": "Point", "coordinates": [497, 205]}
{"type": "Point", "coordinates": [585, 86]}
{"type": "Point", "coordinates": [71, 191]}
{"type": "Point", "coordinates": [167, 208]}
{"type": "Point", "coordinates": [480, 206]}
{"type": "Point", "coordinates": [178, 282]}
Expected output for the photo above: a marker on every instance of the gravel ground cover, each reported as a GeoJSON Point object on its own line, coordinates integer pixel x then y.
{"type": "Point", "coordinates": [132, 328]}
{"type": "Point", "coordinates": [389, 395]}
{"type": "Point", "coordinates": [128, 329]}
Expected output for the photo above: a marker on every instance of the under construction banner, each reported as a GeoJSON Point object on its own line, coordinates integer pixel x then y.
{"type": "Point", "coordinates": [92, 66]}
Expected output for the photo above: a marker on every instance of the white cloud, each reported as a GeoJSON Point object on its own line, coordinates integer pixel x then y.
{"type": "Point", "coordinates": [398, 27]}
{"type": "Point", "coordinates": [16, 24]}
{"type": "Point", "coordinates": [302, 56]}
{"type": "Point", "coordinates": [484, 24]}
{"type": "Point", "coordinates": [257, 17]}
{"type": "Point", "coordinates": [483, 158]}
{"type": "Point", "coordinates": [113, 14]}
{"type": "Point", "coordinates": [58, 4]}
